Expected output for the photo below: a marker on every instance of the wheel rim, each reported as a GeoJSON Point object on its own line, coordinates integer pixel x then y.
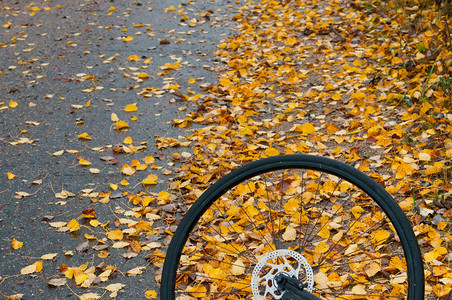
{"type": "Point", "coordinates": [372, 264]}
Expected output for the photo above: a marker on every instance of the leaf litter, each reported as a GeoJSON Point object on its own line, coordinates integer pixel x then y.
{"type": "Point", "coordinates": [356, 83]}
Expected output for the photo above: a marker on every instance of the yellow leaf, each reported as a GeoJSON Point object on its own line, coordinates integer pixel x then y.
{"type": "Point", "coordinates": [128, 140]}
{"type": "Point", "coordinates": [380, 236]}
{"type": "Point", "coordinates": [112, 8]}
{"type": "Point", "coordinates": [84, 136]}
{"type": "Point", "coordinates": [442, 225]}
{"type": "Point", "coordinates": [141, 167]}
{"type": "Point", "coordinates": [151, 294]}
{"type": "Point", "coordinates": [10, 175]}
{"type": "Point", "coordinates": [79, 277]}
{"type": "Point", "coordinates": [191, 80]}
{"type": "Point", "coordinates": [225, 82]}
{"type": "Point", "coordinates": [17, 244]}
{"type": "Point", "coordinates": [151, 179]}
{"type": "Point", "coordinates": [163, 195]}
{"type": "Point", "coordinates": [135, 246]}
{"type": "Point", "coordinates": [12, 104]}
{"type": "Point", "coordinates": [336, 97]}
{"type": "Point", "coordinates": [271, 152]}
{"type": "Point", "coordinates": [322, 247]}
{"type": "Point", "coordinates": [149, 160]}
{"type": "Point", "coordinates": [69, 273]}
{"type": "Point", "coordinates": [197, 291]}
{"type": "Point", "coordinates": [331, 128]}
{"type": "Point", "coordinates": [128, 170]}
{"type": "Point", "coordinates": [121, 125]}
{"type": "Point", "coordinates": [36, 267]}
{"type": "Point", "coordinates": [131, 107]}
{"type": "Point", "coordinates": [329, 87]}
{"type": "Point", "coordinates": [73, 225]}
{"type": "Point", "coordinates": [434, 254]}
{"type": "Point", "coordinates": [306, 128]}
{"type": "Point", "coordinates": [436, 168]}
{"type": "Point", "coordinates": [143, 226]}
{"type": "Point", "coordinates": [169, 66]}
{"type": "Point", "coordinates": [127, 39]}
{"type": "Point", "coordinates": [115, 235]}
{"type": "Point", "coordinates": [143, 75]}
{"type": "Point", "coordinates": [357, 211]}
{"type": "Point", "coordinates": [114, 186]}
{"type": "Point", "coordinates": [124, 182]}
{"type": "Point", "coordinates": [90, 236]}
{"type": "Point", "coordinates": [103, 254]}
{"type": "Point", "coordinates": [94, 223]}
{"type": "Point", "coordinates": [84, 162]}
{"type": "Point", "coordinates": [133, 58]}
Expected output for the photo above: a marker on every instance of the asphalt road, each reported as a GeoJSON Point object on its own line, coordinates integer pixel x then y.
{"type": "Point", "coordinates": [65, 68]}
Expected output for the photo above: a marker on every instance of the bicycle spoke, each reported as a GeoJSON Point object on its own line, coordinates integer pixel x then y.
{"type": "Point", "coordinates": [318, 225]}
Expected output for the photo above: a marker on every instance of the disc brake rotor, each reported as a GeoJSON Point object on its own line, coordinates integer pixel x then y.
{"type": "Point", "coordinates": [264, 285]}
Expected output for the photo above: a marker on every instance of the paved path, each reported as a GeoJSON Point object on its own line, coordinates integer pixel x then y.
{"type": "Point", "coordinates": [66, 67]}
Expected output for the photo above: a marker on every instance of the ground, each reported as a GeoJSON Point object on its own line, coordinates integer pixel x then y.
{"type": "Point", "coordinates": [116, 116]}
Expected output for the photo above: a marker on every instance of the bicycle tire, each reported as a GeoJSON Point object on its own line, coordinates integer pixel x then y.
{"type": "Point", "coordinates": [394, 219]}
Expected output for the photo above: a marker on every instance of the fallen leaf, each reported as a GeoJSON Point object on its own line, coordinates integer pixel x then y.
{"type": "Point", "coordinates": [33, 268]}
{"type": "Point", "coordinates": [121, 125]}
{"type": "Point", "coordinates": [57, 282]}
{"type": "Point", "coordinates": [150, 294]}
{"type": "Point", "coordinates": [58, 153]}
{"type": "Point", "coordinates": [16, 244]}
{"type": "Point", "coordinates": [73, 225]}
{"type": "Point", "coordinates": [115, 235]}
{"type": "Point", "coordinates": [114, 287]}
{"type": "Point", "coordinates": [150, 179]}
{"type": "Point", "coordinates": [136, 271]}
{"type": "Point", "coordinates": [131, 107]}
{"type": "Point", "coordinates": [49, 256]}
{"type": "Point", "coordinates": [84, 136]}
{"type": "Point", "coordinates": [84, 162]}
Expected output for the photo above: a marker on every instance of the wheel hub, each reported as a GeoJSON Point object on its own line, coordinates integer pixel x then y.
{"type": "Point", "coordinates": [264, 283]}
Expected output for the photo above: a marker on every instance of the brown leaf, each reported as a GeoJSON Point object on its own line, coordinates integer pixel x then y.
{"type": "Point", "coordinates": [135, 246]}
{"type": "Point", "coordinates": [82, 247]}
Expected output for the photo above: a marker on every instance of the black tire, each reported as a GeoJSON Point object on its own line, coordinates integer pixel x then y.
{"type": "Point", "coordinates": [353, 219]}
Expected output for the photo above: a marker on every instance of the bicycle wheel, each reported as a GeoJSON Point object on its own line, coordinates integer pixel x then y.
{"type": "Point", "coordinates": [321, 225]}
